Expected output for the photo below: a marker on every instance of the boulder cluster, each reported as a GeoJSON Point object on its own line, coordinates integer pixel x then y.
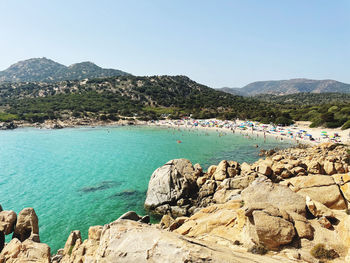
{"type": "Point", "coordinates": [293, 205]}
{"type": "Point", "coordinates": [25, 244]}
{"type": "Point", "coordinates": [295, 198]}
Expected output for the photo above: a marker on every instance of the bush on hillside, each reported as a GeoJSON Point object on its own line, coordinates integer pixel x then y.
{"type": "Point", "coordinates": [346, 125]}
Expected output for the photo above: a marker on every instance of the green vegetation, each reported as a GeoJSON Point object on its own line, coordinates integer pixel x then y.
{"type": "Point", "coordinates": [330, 110]}
{"type": "Point", "coordinates": [70, 250]}
{"type": "Point", "coordinates": [144, 97]}
{"type": "Point", "coordinates": [305, 98]}
{"type": "Point", "coordinates": [160, 97]}
{"type": "Point", "coordinates": [258, 249]}
{"type": "Point", "coordinates": [6, 117]}
{"type": "Point", "coordinates": [320, 252]}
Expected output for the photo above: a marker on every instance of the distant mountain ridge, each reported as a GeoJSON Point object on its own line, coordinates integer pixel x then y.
{"type": "Point", "coordinates": [47, 70]}
{"type": "Point", "coordinates": [292, 86]}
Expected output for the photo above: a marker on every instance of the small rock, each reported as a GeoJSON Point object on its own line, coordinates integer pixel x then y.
{"type": "Point", "coordinates": [70, 243]}
{"type": "Point", "coordinates": [211, 170]}
{"type": "Point", "coordinates": [145, 219]}
{"type": "Point", "coordinates": [324, 222]}
{"type": "Point", "coordinates": [95, 232]}
{"type": "Point", "coordinates": [177, 211]}
{"type": "Point", "coordinates": [232, 172]}
{"type": "Point", "coordinates": [131, 215]}
{"type": "Point", "coordinates": [166, 221]}
{"type": "Point", "coordinates": [221, 171]}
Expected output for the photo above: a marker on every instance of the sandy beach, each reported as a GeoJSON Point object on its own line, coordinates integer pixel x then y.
{"type": "Point", "coordinates": [299, 132]}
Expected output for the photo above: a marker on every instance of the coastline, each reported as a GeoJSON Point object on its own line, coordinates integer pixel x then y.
{"type": "Point", "coordinates": [318, 134]}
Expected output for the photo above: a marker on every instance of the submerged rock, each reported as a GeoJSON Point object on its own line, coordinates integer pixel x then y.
{"type": "Point", "coordinates": [104, 185]}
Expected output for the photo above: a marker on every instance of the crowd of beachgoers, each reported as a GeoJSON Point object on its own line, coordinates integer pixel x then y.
{"type": "Point", "coordinates": [299, 133]}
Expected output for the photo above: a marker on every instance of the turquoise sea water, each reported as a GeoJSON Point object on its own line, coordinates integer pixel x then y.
{"type": "Point", "coordinates": [75, 178]}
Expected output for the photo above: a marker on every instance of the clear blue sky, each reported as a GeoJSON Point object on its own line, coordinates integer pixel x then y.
{"type": "Point", "coordinates": [217, 43]}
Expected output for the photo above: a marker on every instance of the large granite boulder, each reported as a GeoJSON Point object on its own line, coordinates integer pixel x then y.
{"type": "Point", "coordinates": [25, 252]}
{"type": "Point", "coordinates": [321, 188]}
{"type": "Point", "coordinates": [276, 214]}
{"type": "Point", "coordinates": [219, 223]}
{"type": "Point", "coordinates": [173, 181]}
{"type": "Point", "coordinates": [7, 221]}
{"type": "Point", "coordinates": [221, 171]}
{"type": "Point", "coordinates": [27, 224]}
{"type": "Point", "coordinates": [272, 231]}
{"type": "Point", "coordinates": [263, 191]}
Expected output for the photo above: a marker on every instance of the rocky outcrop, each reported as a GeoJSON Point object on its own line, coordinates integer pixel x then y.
{"type": "Point", "coordinates": [27, 224]}
{"type": "Point", "coordinates": [286, 203]}
{"type": "Point", "coordinates": [321, 188]}
{"type": "Point", "coordinates": [178, 188]}
{"type": "Point", "coordinates": [169, 184]}
{"type": "Point", "coordinates": [264, 192]}
{"type": "Point", "coordinates": [27, 251]}
{"type": "Point", "coordinates": [131, 241]}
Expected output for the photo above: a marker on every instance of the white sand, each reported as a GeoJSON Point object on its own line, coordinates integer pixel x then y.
{"type": "Point", "coordinates": [315, 132]}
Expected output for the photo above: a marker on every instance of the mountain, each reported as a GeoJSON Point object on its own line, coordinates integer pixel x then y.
{"type": "Point", "coordinates": [233, 91]}
{"type": "Point", "coordinates": [292, 86]}
{"type": "Point", "coordinates": [47, 70]}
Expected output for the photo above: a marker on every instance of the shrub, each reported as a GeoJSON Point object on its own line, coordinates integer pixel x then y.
{"type": "Point", "coordinates": [316, 122]}
{"type": "Point", "coordinates": [258, 249]}
{"type": "Point", "coordinates": [319, 251]}
{"type": "Point", "coordinates": [70, 250]}
{"type": "Point", "coordinates": [346, 125]}
{"type": "Point", "coordinates": [282, 120]}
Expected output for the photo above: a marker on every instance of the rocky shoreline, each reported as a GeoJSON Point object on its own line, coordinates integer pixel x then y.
{"type": "Point", "coordinates": [69, 123]}
{"type": "Point", "coordinates": [292, 206]}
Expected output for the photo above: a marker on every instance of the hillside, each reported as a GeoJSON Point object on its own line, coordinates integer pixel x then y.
{"type": "Point", "coordinates": [149, 97]}
{"type": "Point", "coordinates": [233, 91]}
{"type": "Point", "coordinates": [305, 98]}
{"type": "Point", "coordinates": [292, 86]}
{"type": "Point", "coordinates": [46, 70]}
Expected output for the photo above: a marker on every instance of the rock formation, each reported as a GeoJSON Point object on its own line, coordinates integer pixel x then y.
{"type": "Point", "coordinates": [27, 224]}
{"type": "Point", "coordinates": [285, 205]}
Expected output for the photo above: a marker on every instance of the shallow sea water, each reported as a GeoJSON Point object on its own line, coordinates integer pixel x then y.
{"type": "Point", "coordinates": [79, 177]}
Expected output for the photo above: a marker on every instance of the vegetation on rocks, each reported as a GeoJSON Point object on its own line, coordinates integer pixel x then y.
{"type": "Point", "coordinates": [258, 249]}
{"type": "Point", "coordinates": [319, 251]}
